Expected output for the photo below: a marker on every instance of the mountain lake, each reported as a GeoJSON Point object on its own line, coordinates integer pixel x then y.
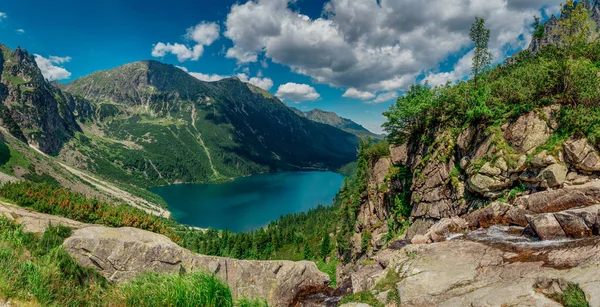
{"type": "Point", "coordinates": [250, 203]}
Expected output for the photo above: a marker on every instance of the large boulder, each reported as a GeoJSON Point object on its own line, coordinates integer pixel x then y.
{"type": "Point", "coordinates": [553, 175]}
{"type": "Point", "coordinates": [546, 226]}
{"type": "Point", "coordinates": [582, 154]}
{"type": "Point", "coordinates": [120, 254]}
{"type": "Point", "coordinates": [561, 199]}
{"type": "Point", "coordinates": [399, 154]}
{"type": "Point", "coordinates": [483, 183]}
{"type": "Point", "coordinates": [527, 132]}
{"type": "Point", "coordinates": [573, 225]}
{"type": "Point", "coordinates": [497, 213]}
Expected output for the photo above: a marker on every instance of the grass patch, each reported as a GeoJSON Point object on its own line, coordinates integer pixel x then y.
{"type": "Point", "coordinates": [362, 297]}
{"type": "Point", "coordinates": [329, 269]}
{"type": "Point", "coordinates": [38, 270]}
{"type": "Point", "coordinates": [389, 281]}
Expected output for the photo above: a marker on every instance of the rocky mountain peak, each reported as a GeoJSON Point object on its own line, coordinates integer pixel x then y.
{"type": "Point", "coordinates": [551, 26]}
{"type": "Point", "coordinates": [32, 109]}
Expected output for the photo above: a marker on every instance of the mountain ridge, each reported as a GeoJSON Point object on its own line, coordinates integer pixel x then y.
{"type": "Point", "coordinates": [332, 119]}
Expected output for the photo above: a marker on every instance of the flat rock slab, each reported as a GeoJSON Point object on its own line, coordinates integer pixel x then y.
{"type": "Point", "coordinates": [35, 222]}
{"type": "Point", "coordinates": [466, 273]}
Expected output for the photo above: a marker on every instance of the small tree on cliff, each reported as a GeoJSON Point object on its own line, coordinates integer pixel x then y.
{"type": "Point", "coordinates": [482, 62]}
{"type": "Point", "coordinates": [538, 28]}
{"type": "Point", "coordinates": [482, 58]}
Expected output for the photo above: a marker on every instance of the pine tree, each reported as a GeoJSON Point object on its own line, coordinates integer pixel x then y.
{"type": "Point", "coordinates": [325, 246]}
{"type": "Point", "coordinates": [307, 253]}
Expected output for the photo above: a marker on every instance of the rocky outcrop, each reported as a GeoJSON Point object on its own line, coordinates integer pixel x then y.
{"type": "Point", "coordinates": [584, 156]}
{"type": "Point", "coordinates": [552, 28]}
{"type": "Point", "coordinates": [120, 254]}
{"type": "Point", "coordinates": [35, 222]}
{"type": "Point", "coordinates": [467, 273]}
{"type": "Point", "coordinates": [527, 132]}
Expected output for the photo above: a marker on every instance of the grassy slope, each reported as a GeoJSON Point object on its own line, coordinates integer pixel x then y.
{"type": "Point", "coordinates": [154, 124]}
{"type": "Point", "coordinates": [36, 270]}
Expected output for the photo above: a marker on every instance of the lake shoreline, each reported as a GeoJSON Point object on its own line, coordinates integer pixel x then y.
{"type": "Point", "coordinates": [252, 202]}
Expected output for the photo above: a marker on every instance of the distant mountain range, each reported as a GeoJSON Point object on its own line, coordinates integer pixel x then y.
{"type": "Point", "coordinates": [332, 119]}
{"type": "Point", "coordinates": [149, 123]}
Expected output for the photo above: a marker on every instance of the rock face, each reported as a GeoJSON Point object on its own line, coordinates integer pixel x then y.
{"type": "Point", "coordinates": [527, 133]}
{"type": "Point", "coordinates": [467, 273]}
{"type": "Point", "coordinates": [33, 110]}
{"type": "Point", "coordinates": [552, 27]}
{"type": "Point", "coordinates": [120, 254]}
{"type": "Point", "coordinates": [488, 176]}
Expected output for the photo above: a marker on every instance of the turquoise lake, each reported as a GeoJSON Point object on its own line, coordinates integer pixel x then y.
{"type": "Point", "coordinates": [251, 202]}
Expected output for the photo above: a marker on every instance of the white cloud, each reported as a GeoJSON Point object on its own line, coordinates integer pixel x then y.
{"type": "Point", "coordinates": [384, 97]}
{"type": "Point", "coordinates": [373, 45]}
{"type": "Point", "coordinates": [354, 93]}
{"type": "Point", "coordinates": [297, 92]}
{"type": "Point", "coordinates": [21, 31]}
{"type": "Point", "coordinates": [203, 34]}
{"type": "Point", "coordinates": [50, 70]}
{"type": "Point", "coordinates": [182, 52]}
{"type": "Point", "coordinates": [3, 15]}
{"type": "Point", "coordinates": [264, 83]}
{"type": "Point", "coordinates": [207, 77]}
{"type": "Point", "coordinates": [461, 70]}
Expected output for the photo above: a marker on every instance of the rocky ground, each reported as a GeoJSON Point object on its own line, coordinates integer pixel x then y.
{"type": "Point", "coordinates": [120, 254]}
{"type": "Point", "coordinates": [462, 272]}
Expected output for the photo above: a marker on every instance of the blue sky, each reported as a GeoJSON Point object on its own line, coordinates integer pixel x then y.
{"type": "Point", "coordinates": [352, 57]}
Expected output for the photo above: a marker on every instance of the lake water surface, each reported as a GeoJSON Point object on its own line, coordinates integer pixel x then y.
{"type": "Point", "coordinates": [251, 202]}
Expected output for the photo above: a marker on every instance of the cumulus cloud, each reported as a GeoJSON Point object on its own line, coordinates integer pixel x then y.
{"type": "Point", "coordinates": [354, 93]}
{"type": "Point", "coordinates": [2, 16]}
{"type": "Point", "coordinates": [373, 45]}
{"type": "Point", "coordinates": [264, 83]}
{"type": "Point", "coordinates": [50, 67]}
{"type": "Point", "coordinates": [21, 31]}
{"type": "Point", "coordinates": [461, 70]}
{"type": "Point", "coordinates": [202, 35]}
{"type": "Point", "coordinates": [182, 52]}
{"type": "Point", "coordinates": [385, 97]}
{"type": "Point", "coordinates": [297, 92]}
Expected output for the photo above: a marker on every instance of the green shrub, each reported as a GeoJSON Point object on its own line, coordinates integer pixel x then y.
{"type": "Point", "coordinates": [573, 297]}
{"type": "Point", "coordinates": [54, 200]}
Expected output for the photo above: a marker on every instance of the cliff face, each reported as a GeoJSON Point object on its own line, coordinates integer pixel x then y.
{"type": "Point", "coordinates": [32, 109]}
{"type": "Point", "coordinates": [520, 167]}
